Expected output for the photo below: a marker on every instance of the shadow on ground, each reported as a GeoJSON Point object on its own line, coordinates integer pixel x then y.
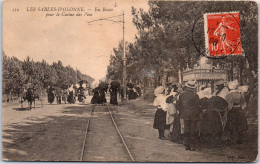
{"type": "Point", "coordinates": [53, 138]}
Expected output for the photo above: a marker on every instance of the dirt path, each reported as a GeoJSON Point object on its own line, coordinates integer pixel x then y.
{"type": "Point", "coordinates": [51, 133]}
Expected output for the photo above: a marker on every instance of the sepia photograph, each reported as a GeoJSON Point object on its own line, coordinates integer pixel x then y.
{"type": "Point", "coordinates": [129, 81]}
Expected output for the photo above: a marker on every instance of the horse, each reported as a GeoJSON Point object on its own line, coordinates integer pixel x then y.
{"type": "Point", "coordinates": [30, 96]}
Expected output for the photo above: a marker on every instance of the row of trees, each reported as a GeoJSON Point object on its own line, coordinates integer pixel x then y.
{"type": "Point", "coordinates": [16, 74]}
{"type": "Point", "coordinates": [171, 36]}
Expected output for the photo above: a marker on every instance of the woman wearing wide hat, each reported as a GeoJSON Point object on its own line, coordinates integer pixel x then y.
{"type": "Point", "coordinates": [160, 115]}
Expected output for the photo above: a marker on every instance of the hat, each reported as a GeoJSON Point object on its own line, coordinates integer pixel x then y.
{"type": "Point", "coordinates": [158, 90]}
{"type": "Point", "coordinates": [232, 85]}
{"type": "Point", "coordinates": [220, 82]}
{"type": "Point", "coordinates": [76, 85]}
{"type": "Point", "coordinates": [243, 88]}
{"type": "Point", "coordinates": [205, 93]}
{"type": "Point", "coordinates": [191, 84]}
{"type": "Point", "coordinates": [200, 94]}
{"type": "Point", "coordinates": [84, 85]}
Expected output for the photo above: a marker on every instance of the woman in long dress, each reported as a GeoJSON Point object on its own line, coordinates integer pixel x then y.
{"type": "Point", "coordinates": [114, 89]}
{"type": "Point", "coordinates": [71, 96]}
{"type": "Point", "coordinates": [51, 95]}
{"type": "Point", "coordinates": [96, 97]}
{"type": "Point", "coordinates": [160, 115]}
{"type": "Point", "coordinates": [175, 128]}
{"type": "Point", "coordinates": [102, 94]}
{"type": "Point", "coordinates": [236, 119]}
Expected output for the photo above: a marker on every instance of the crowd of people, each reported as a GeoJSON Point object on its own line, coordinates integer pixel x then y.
{"type": "Point", "coordinates": [194, 117]}
{"type": "Point", "coordinates": [67, 94]}
{"type": "Point", "coordinates": [99, 90]}
{"type": "Point", "coordinates": [133, 91]}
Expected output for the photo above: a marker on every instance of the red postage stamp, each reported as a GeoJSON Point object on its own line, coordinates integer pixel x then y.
{"type": "Point", "coordinates": [222, 34]}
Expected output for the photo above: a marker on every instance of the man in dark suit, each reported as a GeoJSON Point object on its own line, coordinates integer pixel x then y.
{"type": "Point", "coordinates": [188, 105]}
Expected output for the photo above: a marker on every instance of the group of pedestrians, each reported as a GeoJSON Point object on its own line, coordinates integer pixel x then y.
{"type": "Point", "coordinates": [67, 94]}
{"type": "Point", "coordinates": [99, 93]}
{"type": "Point", "coordinates": [195, 117]}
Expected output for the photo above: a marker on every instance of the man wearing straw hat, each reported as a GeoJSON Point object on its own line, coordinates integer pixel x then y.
{"type": "Point", "coordinates": [188, 105]}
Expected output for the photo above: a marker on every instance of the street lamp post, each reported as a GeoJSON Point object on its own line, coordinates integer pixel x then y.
{"type": "Point", "coordinates": [124, 60]}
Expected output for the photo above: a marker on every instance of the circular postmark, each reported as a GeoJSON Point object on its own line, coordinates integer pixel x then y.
{"type": "Point", "coordinates": [217, 35]}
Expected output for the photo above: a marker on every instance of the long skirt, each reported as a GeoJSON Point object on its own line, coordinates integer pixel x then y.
{"type": "Point", "coordinates": [71, 98]}
{"type": "Point", "coordinates": [236, 120]}
{"type": "Point", "coordinates": [176, 132]}
{"type": "Point", "coordinates": [51, 97]}
{"type": "Point", "coordinates": [96, 98]}
{"type": "Point", "coordinates": [211, 124]}
{"type": "Point", "coordinates": [113, 98]}
{"type": "Point", "coordinates": [102, 97]}
{"type": "Point", "coordinates": [160, 119]}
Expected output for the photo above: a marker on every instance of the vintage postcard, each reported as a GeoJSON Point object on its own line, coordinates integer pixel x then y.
{"type": "Point", "coordinates": [130, 81]}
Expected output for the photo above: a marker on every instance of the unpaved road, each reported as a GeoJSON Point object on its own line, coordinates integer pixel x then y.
{"type": "Point", "coordinates": [56, 133]}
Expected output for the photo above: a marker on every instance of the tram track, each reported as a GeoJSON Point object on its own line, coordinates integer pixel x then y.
{"type": "Point", "coordinates": [84, 146]}
{"type": "Point", "coordinates": [86, 132]}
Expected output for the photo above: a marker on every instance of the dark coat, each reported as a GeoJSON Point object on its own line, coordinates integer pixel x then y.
{"type": "Point", "coordinates": [113, 95]}
{"type": "Point", "coordinates": [96, 97]}
{"type": "Point", "coordinates": [211, 120]}
{"type": "Point", "coordinates": [188, 105]}
{"type": "Point", "coordinates": [51, 95]}
{"type": "Point", "coordinates": [102, 94]}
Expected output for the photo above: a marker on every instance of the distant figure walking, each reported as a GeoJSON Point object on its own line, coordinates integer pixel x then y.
{"type": "Point", "coordinates": [96, 97]}
{"type": "Point", "coordinates": [102, 89]}
{"type": "Point", "coordinates": [51, 95]}
{"type": "Point", "coordinates": [58, 94]}
{"type": "Point", "coordinates": [71, 96]}
{"type": "Point", "coordinates": [114, 89]}
{"type": "Point", "coordinates": [65, 95]}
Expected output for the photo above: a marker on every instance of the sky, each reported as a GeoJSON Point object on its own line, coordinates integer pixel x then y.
{"type": "Point", "coordinates": [30, 30]}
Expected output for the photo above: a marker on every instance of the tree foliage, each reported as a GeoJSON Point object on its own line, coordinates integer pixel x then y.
{"type": "Point", "coordinates": [16, 74]}
{"type": "Point", "coordinates": [169, 31]}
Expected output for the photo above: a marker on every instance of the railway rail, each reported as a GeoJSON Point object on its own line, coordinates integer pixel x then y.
{"type": "Point", "coordinates": [116, 127]}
